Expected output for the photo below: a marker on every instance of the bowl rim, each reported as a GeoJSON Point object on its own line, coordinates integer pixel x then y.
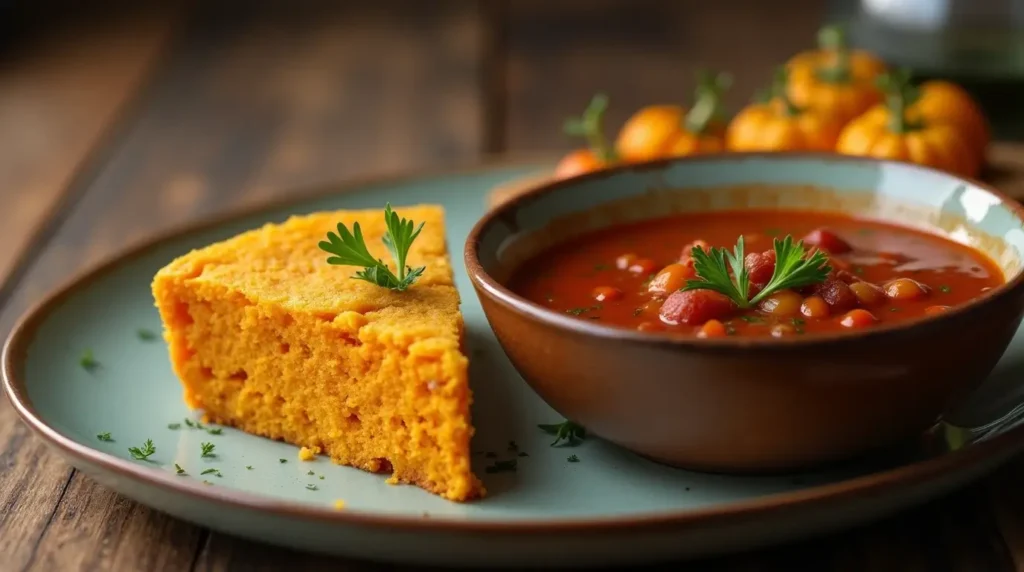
{"type": "Point", "coordinates": [492, 288]}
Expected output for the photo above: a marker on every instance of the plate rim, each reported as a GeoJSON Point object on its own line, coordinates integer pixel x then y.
{"type": "Point", "coordinates": [14, 355]}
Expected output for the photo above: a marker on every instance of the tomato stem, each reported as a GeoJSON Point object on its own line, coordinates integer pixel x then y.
{"type": "Point", "coordinates": [707, 103]}
{"type": "Point", "coordinates": [590, 126]}
{"type": "Point", "coordinates": [832, 40]}
{"type": "Point", "coordinates": [779, 92]}
{"type": "Point", "coordinates": [900, 94]}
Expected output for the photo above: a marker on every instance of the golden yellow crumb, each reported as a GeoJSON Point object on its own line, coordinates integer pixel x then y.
{"type": "Point", "coordinates": [268, 337]}
{"type": "Point", "coordinates": [308, 454]}
{"type": "Point", "coordinates": [339, 504]}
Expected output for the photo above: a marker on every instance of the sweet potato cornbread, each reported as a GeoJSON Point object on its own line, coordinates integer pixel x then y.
{"type": "Point", "coordinates": [268, 337]}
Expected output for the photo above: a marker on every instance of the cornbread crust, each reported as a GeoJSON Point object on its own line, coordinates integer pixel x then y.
{"type": "Point", "coordinates": [267, 337]}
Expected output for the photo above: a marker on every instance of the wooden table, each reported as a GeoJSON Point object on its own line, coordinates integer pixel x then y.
{"type": "Point", "coordinates": [112, 129]}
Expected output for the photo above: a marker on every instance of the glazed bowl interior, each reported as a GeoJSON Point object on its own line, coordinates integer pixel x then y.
{"type": "Point", "coordinates": [897, 193]}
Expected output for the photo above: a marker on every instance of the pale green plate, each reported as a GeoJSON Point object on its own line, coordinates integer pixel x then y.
{"type": "Point", "coordinates": [609, 507]}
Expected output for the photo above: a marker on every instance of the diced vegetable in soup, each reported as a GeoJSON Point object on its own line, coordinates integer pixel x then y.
{"type": "Point", "coordinates": [756, 273]}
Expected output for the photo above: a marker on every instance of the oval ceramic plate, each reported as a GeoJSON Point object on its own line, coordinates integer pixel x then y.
{"type": "Point", "coordinates": [589, 504]}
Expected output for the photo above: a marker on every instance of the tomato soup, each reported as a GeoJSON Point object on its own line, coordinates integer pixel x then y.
{"type": "Point", "coordinates": [839, 274]}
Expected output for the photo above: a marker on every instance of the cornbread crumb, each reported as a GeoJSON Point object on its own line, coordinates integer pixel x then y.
{"type": "Point", "coordinates": [308, 454]}
{"type": "Point", "coordinates": [339, 504]}
{"type": "Point", "coordinates": [269, 338]}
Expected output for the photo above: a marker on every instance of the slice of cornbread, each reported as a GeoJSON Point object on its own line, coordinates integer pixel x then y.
{"type": "Point", "coordinates": [269, 338]}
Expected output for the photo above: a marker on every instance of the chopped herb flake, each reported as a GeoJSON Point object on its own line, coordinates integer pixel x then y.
{"type": "Point", "coordinates": [87, 361]}
{"type": "Point", "coordinates": [566, 432]}
{"type": "Point", "coordinates": [215, 431]}
{"type": "Point", "coordinates": [575, 311]}
{"type": "Point", "coordinates": [143, 453]}
{"type": "Point", "coordinates": [207, 449]}
{"type": "Point", "coordinates": [211, 471]}
{"type": "Point", "coordinates": [508, 466]}
{"type": "Point", "coordinates": [174, 426]}
{"type": "Point", "coordinates": [311, 487]}
{"type": "Point", "coordinates": [573, 459]}
{"type": "Point", "coordinates": [248, 467]}
{"type": "Point", "coordinates": [311, 473]}
{"type": "Point", "coordinates": [283, 460]}
{"type": "Point", "coordinates": [178, 470]}
{"type": "Point", "coordinates": [105, 437]}
{"type": "Point", "coordinates": [189, 423]}
{"type": "Point", "coordinates": [145, 335]}
{"type": "Point", "coordinates": [945, 289]}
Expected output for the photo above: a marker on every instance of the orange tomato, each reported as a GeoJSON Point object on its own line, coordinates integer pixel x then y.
{"type": "Point", "coordinates": [904, 136]}
{"type": "Point", "coordinates": [660, 131]}
{"type": "Point", "coordinates": [945, 102]}
{"type": "Point", "coordinates": [589, 126]}
{"type": "Point", "coordinates": [578, 162]}
{"type": "Point", "coordinates": [649, 132]}
{"type": "Point", "coordinates": [834, 79]}
{"type": "Point", "coordinates": [780, 125]}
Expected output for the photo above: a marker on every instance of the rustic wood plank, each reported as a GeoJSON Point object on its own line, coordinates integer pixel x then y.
{"type": "Point", "coordinates": [1006, 498]}
{"type": "Point", "coordinates": [1006, 168]}
{"type": "Point", "coordinates": [59, 98]}
{"type": "Point", "coordinates": [251, 105]}
{"type": "Point", "coordinates": [639, 52]}
{"type": "Point", "coordinates": [95, 529]}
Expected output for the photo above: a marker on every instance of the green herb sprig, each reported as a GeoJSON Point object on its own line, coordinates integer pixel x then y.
{"type": "Point", "coordinates": [349, 249]}
{"type": "Point", "coordinates": [724, 272]}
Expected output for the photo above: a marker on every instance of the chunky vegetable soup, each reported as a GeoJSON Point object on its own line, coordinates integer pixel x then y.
{"type": "Point", "coordinates": [755, 273]}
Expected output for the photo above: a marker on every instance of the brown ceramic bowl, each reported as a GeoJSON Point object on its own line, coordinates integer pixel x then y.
{"type": "Point", "coordinates": [752, 405]}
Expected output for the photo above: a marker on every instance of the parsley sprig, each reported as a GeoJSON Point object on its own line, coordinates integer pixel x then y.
{"type": "Point", "coordinates": [349, 249]}
{"type": "Point", "coordinates": [724, 272]}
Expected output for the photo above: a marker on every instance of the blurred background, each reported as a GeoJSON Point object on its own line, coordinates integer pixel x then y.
{"type": "Point", "coordinates": [119, 119]}
{"type": "Point", "coordinates": [180, 108]}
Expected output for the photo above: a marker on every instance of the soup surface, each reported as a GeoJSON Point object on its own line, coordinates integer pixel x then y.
{"type": "Point", "coordinates": [849, 274]}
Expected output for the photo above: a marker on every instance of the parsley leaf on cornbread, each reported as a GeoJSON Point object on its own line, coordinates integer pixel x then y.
{"type": "Point", "coordinates": [349, 249]}
{"type": "Point", "coordinates": [268, 337]}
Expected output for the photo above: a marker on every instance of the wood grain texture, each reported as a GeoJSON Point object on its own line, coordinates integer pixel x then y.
{"type": "Point", "coordinates": [638, 52]}
{"type": "Point", "coordinates": [256, 102]}
{"type": "Point", "coordinates": [59, 97]}
{"type": "Point", "coordinates": [251, 105]}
